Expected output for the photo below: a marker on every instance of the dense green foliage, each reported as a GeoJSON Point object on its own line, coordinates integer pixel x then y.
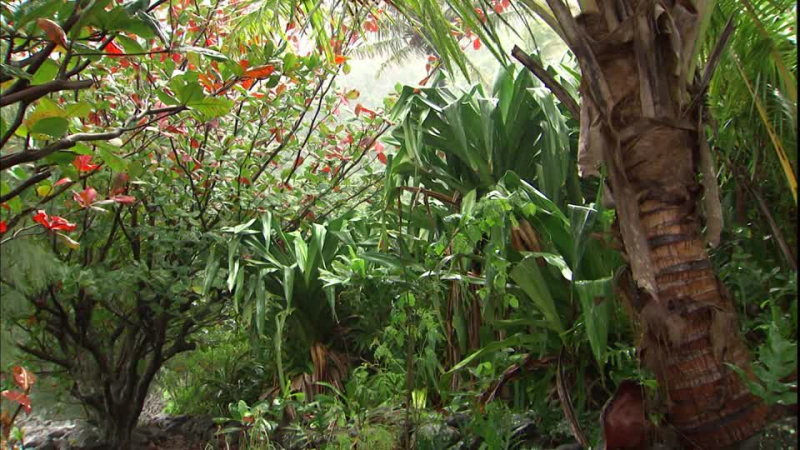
{"type": "Point", "coordinates": [190, 199]}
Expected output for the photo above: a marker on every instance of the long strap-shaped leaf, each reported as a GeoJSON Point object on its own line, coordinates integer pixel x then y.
{"type": "Point", "coordinates": [776, 142]}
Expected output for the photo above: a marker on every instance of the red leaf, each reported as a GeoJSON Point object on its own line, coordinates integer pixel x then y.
{"type": "Point", "coordinates": [481, 15]}
{"type": "Point", "coordinates": [53, 31]}
{"type": "Point", "coordinates": [382, 157]}
{"type": "Point", "coordinates": [83, 163]}
{"type": "Point", "coordinates": [85, 197]}
{"type": "Point", "coordinates": [339, 59]}
{"type": "Point", "coordinates": [244, 64]}
{"type": "Point", "coordinates": [248, 83]}
{"type": "Point", "coordinates": [476, 44]}
{"type": "Point", "coordinates": [113, 49]}
{"type": "Point", "coordinates": [379, 147]}
{"type": "Point", "coordinates": [259, 72]}
{"type": "Point", "coordinates": [281, 88]}
{"type": "Point", "coordinates": [326, 169]}
{"type": "Point", "coordinates": [23, 377]}
{"type": "Point", "coordinates": [194, 143]}
{"type": "Point", "coordinates": [54, 222]}
{"type": "Point", "coordinates": [61, 224]}
{"type": "Point", "coordinates": [360, 109]}
{"type": "Point", "coordinates": [124, 199]}
{"type": "Point", "coordinates": [3, 226]}
{"type": "Point", "coordinates": [18, 397]}
{"type": "Point", "coordinates": [41, 218]}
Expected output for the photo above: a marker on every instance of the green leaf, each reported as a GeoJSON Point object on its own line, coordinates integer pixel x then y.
{"type": "Point", "coordinates": [553, 260]}
{"type": "Point", "coordinates": [211, 107]}
{"type": "Point", "coordinates": [61, 158]}
{"type": "Point", "coordinates": [80, 109]}
{"type": "Point", "coordinates": [166, 98]}
{"type": "Point", "coordinates": [129, 45]}
{"type": "Point", "coordinates": [288, 284]}
{"type": "Point", "coordinates": [47, 72]}
{"type": "Point", "coordinates": [467, 205]}
{"type": "Point", "coordinates": [300, 252]}
{"type": "Point", "coordinates": [595, 297]}
{"type": "Point", "coordinates": [516, 340]}
{"type": "Point", "coordinates": [266, 229]}
{"type": "Point", "coordinates": [213, 54]}
{"type": "Point", "coordinates": [113, 161]}
{"type": "Point", "coordinates": [51, 126]}
{"type": "Point", "coordinates": [212, 267]}
{"type": "Point", "coordinates": [153, 24]}
{"type": "Point", "coordinates": [14, 72]}
{"type": "Point", "coordinates": [527, 275]}
{"type": "Point", "coordinates": [384, 259]}
{"type": "Point", "coordinates": [261, 303]}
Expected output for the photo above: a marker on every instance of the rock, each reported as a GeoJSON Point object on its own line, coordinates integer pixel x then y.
{"type": "Point", "coordinates": [523, 428]}
{"type": "Point", "coordinates": [48, 445]}
{"type": "Point", "coordinates": [86, 437]}
{"type": "Point", "coordinates": [153, 433]}
{"type": "Point", "coordinates": [458, 420]}
{"type": "Point", "coordinates": [434, 436]}
{"type": "Point", "coordinates": [37, 434]}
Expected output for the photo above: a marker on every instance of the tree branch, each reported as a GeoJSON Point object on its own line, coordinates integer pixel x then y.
{"type": "Point", "coordinates": [35, 92]}
{"type": "Point", "coordinates": [25, 185]}
{"type": "Point", "coordinates": [555, 87]}
{"type": "Point", "coordinates": [8, 161]}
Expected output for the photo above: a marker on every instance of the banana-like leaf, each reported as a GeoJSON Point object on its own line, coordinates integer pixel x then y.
{"type": "Point", "coordinates": [596, 297]}
{"type": "Point", "coordinates": [528, 276]}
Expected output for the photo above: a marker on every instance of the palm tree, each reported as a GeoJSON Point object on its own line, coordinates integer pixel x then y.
{"type": "Point", "coordinates": [642, 115]}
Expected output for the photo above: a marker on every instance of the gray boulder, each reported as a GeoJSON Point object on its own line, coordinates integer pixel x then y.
{"type": "Point", "coordinates": [434, 436]}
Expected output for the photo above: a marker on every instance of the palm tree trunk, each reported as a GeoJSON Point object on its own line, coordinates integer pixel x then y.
{"type": "Point", "coordinates": [688, 340]}
{"type": "Point", "coordinates": [639, 116]}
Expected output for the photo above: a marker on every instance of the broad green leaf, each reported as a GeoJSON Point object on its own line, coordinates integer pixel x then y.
{"type": "Point", "coordinates": [211, 107]}
{"type": "Point", "coordinates": [212, 267]}
{"type": "Point", "coordinates": [384, 259]}
{"type": "Point", "coordinates": [553, 260]}
{"type": "Point", "coordinates": [153, 24]}
{"type": "Point", "coordinates": [288, 284]}
{"type": "Point", "coordinates": [527, 275]}
{"type": "Point", "coordinates": [47, 72]}
{"type": "Point", "coordinates": [596, 297]}
{"type": "Point", "coordinates": [266, 229]}
{"type": "Point", "coordinates": [106, 152]}
{"type": "Point", "coordinates": [301, 253]}
{"type": "Point", "coordinates": [129, 45]}
{"type": "Point", "coordinates": [467, 205]}
{"type": "Point", "coordinates": [80, 109]}
{"type": "Point", "coordinates": [233, 261]}
{"type": "Point", "coordinates": [52, 126]}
